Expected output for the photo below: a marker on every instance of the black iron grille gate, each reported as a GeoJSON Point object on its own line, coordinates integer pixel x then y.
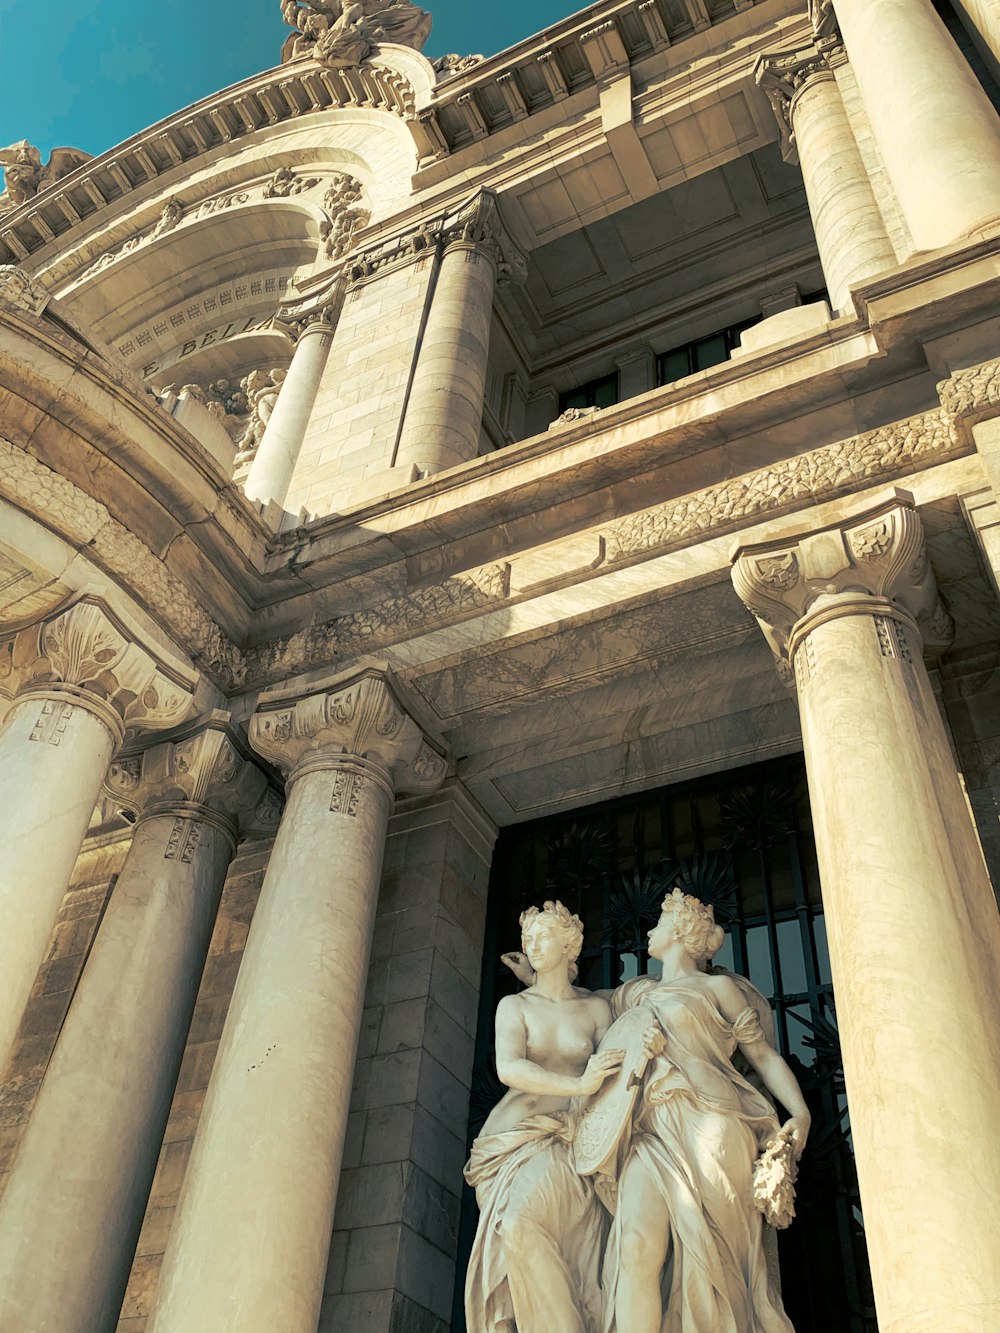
{"type": "Point", "coordinates": [742, 841]}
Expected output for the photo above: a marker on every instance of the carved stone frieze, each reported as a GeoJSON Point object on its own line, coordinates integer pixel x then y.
{"type": "Point", "coordinates": [971, 393]}
{"type": "Point", "coordinates": [203, 771]}
{"type": "Point", "coordinates": [21, 290]}
{"type": "Point", "coordinates": [879, 556]}
{"type": "Point", "coordinates": [834, 469]}
{"type": "Point", "coordinates": [447, 66]}
{"type": "Point", "coordinates": [395, 618]}
{"type": "Point", "coordinates": [285, 183]}
{"type": "Point", "coordinates": [359, 719]}
{"type": "Point", "coordinates": [347, 212]}
{"type": "Point", "coordinates": [88, 651]}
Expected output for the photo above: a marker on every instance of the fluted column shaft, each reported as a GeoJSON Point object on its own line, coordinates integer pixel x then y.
{"type": "Point", "coordinates": [251, 1233]}
{"type": "Point", "coordinates": [444, 411]}
{"type": "Point", "coordinates": [80, 681]}
{"type": "Point", "coordinates": [74, 1203]}
{"type": "Point", "coordinates": [911, 919]}
{"type": "Point", "coordinates": [937, 132]}
{"type": "Point", "coordinates": [850, 232]}
{"type": "Point", "coordinates": [271, 471]}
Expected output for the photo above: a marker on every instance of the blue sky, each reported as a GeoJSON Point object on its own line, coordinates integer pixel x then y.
{"type": "Point", "coordinates": [90, 73]}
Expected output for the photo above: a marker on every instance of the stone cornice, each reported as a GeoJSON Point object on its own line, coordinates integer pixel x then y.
{"type": "Point", "coordinates": [226, 118]}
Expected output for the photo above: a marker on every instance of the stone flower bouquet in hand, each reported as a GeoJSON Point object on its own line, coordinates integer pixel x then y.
{"type": "Point", "coordinates": [774, 1175]}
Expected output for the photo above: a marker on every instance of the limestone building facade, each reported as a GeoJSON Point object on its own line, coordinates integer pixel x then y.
{"type": "Point", "coordinates": [427, 485]}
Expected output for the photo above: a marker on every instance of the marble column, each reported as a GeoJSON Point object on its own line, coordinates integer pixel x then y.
{"type": "Point", "coordinates": [271, 471]}
{"type": "Point", "coordinates": [850, 232]}
{"type": "Point", "coordinates": [250, 1237]}
{"type": "Point", "coordinates": [911, 918]}
{"type": "Point", "coordinates": [937, 132]}
{"type": "Point", "coordinates": [444, 408]}
{"type": "Point", "coordinates": [79, 679]}
{"type": "Point", "coordinates": [74, 1202]}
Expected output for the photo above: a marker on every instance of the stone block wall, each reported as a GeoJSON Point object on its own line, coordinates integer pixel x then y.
{"type": "Point", "coordinates": [356, 419]}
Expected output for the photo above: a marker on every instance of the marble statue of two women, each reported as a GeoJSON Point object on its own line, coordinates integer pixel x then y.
{"type": "Point", "coordinates": [683, 1252]}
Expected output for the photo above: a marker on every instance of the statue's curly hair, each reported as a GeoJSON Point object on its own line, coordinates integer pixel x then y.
{"type": "Point", "coordinates": [565, 921]}
{"type": "Point", "coordinates": [694, 923]}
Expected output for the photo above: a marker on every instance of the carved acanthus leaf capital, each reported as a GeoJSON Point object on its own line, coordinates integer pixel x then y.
{"type": "Point", "coordinates": [781, 75]}
{"type": "Point", "coordinates": [361, 718]}
{"type": "Point", "coordinates": [879, 554]}
{"type": "Point", "coordinates": [91, 651]}
{"type": "Point", "coordinates": [205, 767]}
{"type": "Point", "coordinates": [479, 223]}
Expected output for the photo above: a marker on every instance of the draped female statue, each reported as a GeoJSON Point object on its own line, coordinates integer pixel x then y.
{"type": "Point", "coordinates": [536, 1259]}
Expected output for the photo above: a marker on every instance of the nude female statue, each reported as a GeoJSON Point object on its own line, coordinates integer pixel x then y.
{"type": "Point", "coordinates": [536, 1259]}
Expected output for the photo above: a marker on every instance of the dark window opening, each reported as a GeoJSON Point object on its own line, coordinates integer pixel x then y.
{"type": "Point", "coordinates": [602, 392]}
{"type": "Point", "coordinates": [700, 354]}
{"type": "Point", "coordinates": [743, 841]}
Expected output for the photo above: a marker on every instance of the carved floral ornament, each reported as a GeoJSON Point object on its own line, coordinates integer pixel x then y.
{"type": "Point", "coordinates": [358, 720]}
{"type": "Point", "coordinates": [880, 555]}
{"type": "Point", "coordinates": [85, 653]}
{"type": "Point", "coordinates": [204, 771]}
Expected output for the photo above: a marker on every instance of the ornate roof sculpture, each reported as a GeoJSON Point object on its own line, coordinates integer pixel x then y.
{"type": "Point", "coordinates": [340, 33]}
{"type": "Point", "coordinates": [24, 174]}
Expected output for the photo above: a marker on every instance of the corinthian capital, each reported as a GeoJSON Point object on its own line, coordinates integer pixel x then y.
{"type": "Point", "coordinates": [360, 718]}
{"type": "Point", "coordinates": [880, 555]}
{"type": "Point", "coordinates": [478, 224]}
{"type": "Point", "coordinates": [88, 655]}
{"type": "Point", "coordinates": [781, 75]}
{"type": "Point", "coordinates": [204, 771]}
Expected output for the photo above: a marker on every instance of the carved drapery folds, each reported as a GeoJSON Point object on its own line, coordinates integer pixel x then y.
{"type": "Point", "coordinates": [360, 720]}
{"type": "Point", "coordinates": [341, 33]}
{"type": "Point", "coordinates": [202, 773]}
{"type": "Point", "coordinates": [876, 563]}
{"type": "Point", "coordinates": [86, 655]}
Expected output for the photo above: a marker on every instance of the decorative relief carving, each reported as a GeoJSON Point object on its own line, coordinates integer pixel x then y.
{"type": "Point", "coordinates": [447, 66]}
{"type": "Point", "coordinates": [892, 638]}
{"type": "Point", "coordinates": [968, 393]}
{"type": "Point", "coordinates": [394, 618]}
{"type": "Point", "coordinates": [21, 290]}
{"type": "Point", "coordinates": [834, 469]}
{"type": "Point", "coordinates": [781, 75]}
{"type": "Point", "coordinates": [183, 840]}
{"type": "Point", "coordinates": [872, 542]}
{"type": "Point", "coordinates": [342, 33]}
{"type": "Point", "coordinates": [52, 722]}
{"type": "Point", "coordinates": [778, 571]}
{"type": "Point", "coordinates": [24, 175]}
{"type": "Point", "coordinates": [359, 720]}
{"type": "Point", "coordinates": [347, 212]}
{"type": "Point", "coordinates": [286, 182]}
{"type": "Point", "coordinates": [260, 390]}
{"type": "Point", "coordinates": [347, 788]}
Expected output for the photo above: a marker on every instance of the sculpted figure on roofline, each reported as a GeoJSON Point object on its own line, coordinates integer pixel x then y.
{"type": "Point", "coordinates": [343, 32]}
{"type": "Point", "coordinates": [625, 1178]}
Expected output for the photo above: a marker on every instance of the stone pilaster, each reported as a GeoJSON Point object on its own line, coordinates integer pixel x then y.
{"type": "Point", "coordinates": [80, 679]}
{"type": "Point", "coordinates": [274, 463]}
{"type": "Point", "coordinates": [851, 235]}
{"type": "Point", "coordinates": [911, 919]}
{"type": "Point", "coordinates": [445, 405]}
{"type": "Point", "coordinates": [275, 1114]}
{"type": "Point", "coordinates": [936, 130]}
{"type": "Point", "coordinates": [75, 1198]}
